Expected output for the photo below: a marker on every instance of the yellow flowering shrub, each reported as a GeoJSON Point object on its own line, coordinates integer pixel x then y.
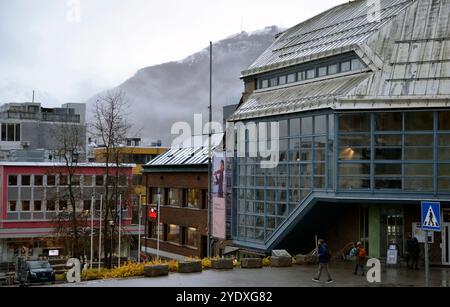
{"type": "Point", "coordinates": [266, 261]}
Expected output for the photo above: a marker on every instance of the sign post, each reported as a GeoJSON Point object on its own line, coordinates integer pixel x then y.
{"type": "Point", "coordinates": [431, 221]}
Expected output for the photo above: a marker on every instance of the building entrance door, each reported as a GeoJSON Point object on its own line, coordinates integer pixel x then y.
{"type": "Point", "coordinates": [392, 229]}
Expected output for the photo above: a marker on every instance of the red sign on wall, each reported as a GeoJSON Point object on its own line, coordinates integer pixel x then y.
{"type": "Point", "coordinates": [153, 214]}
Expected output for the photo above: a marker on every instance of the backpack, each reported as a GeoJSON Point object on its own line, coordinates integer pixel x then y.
{"type": "Point", "coordinates": [362, 253]}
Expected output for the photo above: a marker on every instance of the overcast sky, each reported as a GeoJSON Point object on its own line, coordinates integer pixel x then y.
{"type": "Point", "coordinates": [69, 50]}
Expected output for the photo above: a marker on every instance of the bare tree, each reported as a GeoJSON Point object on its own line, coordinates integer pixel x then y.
{"type": "Point", "coordinates": [70, 139]}
{"type": "Point", "coordinates": [110, 126]}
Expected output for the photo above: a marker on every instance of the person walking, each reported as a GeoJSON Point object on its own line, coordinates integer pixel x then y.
{"type": "Point", "coordinates": [360, 258]}
{"type": "Point", "coordinates": [409, 252]}
{"type": "Point", "coordinates": [323, 254]}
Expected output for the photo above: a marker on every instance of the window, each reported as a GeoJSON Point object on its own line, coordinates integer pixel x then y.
{"type": "Point", "coordinates": [444, 121]}
{"type": "Point", "coordinates": [12, 206]}
{"type": "Point", "coordinates": [38, 180]}
{"type": "Point", "coordinates": [51, 180]}
{"type": "Point", "coordinates": [282, 80]}
{"type": "Point", "coordinates": [193, 198]}
{"type": "Point", "coordinates": [345, 66]}
{"type": "Point", "coordinates": [87, 205]}
{"type": "Point", "coordinates": [75, 180]}
{"type": "Point", "coordinates": [26, 180]}
{"type": "Point", "coordinates": [62, 204]}
{"type": "Point", "coordinates": [4, 132]}
{"type": "Point", "coordinates": [310, 73]}
{"type": "Point", "coordinates": [291, 78]}
{"type": "Point", "coordinates": [357, 64]}
{"type": "Point", "coordinates": [123, 181]}
{"type": "Point", "coordinates": [301, 76]}
{"type": "Point", "coordinates": [12, 180]}
{"type": "Point", "coordinates": [37, 205]}
{"type": "Point", "coordinates": [25, 205]}
{"type": "Point", "coordinates": [51, 205]}
{"type": "Point", "coordinates": [87, 180]}
{"type": "Point", "coordinates": [392, 121]}
{"type": "Point", "coordinates": [333, 69]}
{"type": "Point", "coordinates": [191, 237]}
{"type": "Point", "coordinates": [17, 133]}
{"type": "Point", "coordinates": [63, 180]}
{"type": "Point", "coordinates": [173, 233]}
{"type": "Point", "coordinates": [10, 132]}
{"type": "Point", "coordinates": [99, 181]}
{"type": "Point", "coordinates": [175, 197]}
{"type": "Point", "coordinates": [264, 83]}
{"type": "Point", "coordinates": [416, 121]}
{"type": "Point", "coordinates": [322, 71]}
{"type": "Point", "coordinates": [354, 122]}
{"type": "Point", "coordinates": [274, 81]}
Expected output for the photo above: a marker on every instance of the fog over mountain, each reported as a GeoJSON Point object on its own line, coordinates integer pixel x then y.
{"type": "Point", "coordinates": [164, 94]}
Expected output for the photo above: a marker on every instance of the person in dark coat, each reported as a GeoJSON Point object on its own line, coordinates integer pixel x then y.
{"type": "Point", "coordinates": [409, 251]}
{"type": "Point", "coordinates": [323, 253]}
{"type": "Point", "coordinates": [415, 253]}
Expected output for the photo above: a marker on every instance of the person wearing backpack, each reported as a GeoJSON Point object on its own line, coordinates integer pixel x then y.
{"type": "Point", "coordinates": [360, 258]}
{"type": "Point", "coordinates": [323, 253]}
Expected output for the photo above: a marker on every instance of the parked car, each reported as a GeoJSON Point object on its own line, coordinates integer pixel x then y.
{"type": "Point", "coordinates": [34, 271]}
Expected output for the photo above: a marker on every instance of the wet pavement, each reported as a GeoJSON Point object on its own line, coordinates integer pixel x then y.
{"type": "Point", "coordinates": [296, 276]}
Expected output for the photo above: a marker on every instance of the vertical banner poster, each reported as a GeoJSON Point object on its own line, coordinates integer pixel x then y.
{"type": "Point", "coordinates": [218, 196]}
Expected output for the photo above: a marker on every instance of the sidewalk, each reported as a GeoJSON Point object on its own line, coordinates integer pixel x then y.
{"type": "Point", "coordinates": [296, 276]}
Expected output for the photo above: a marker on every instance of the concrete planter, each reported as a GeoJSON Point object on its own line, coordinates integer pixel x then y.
{"type": "Point", "coordinates": [222, 264]}
{"type": "Point", "coordinates": [156, 270]}
{"type": "Point", "coordinates": [305, 259]}
{"type": "Point", "coordinates": [280, 261]}
{"type": "Point", "coordinates": [251, 263]}
{"type": "Point", "coordinates": [189, 266]}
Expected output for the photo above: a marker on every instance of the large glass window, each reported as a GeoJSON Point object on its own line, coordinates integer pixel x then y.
{"type": "Point", "coordinates": [419, 121]}
{"type": "Point", "coordinates": [175, 197]}
{"type": "Point", "coordinates": [354, 122]}
{"type": "Point", "coordinates": [173, 233]}
{"type": "Point", "coordinates": [193, 198]}
{"type": "Point", "coordinates": [191, 237]}
{"type": "Point", "coordinates": [392, 121]}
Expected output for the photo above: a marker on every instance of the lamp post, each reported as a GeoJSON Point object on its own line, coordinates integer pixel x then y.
{"type": "Point", "coordinates": [157, 225]}
{"type": "Point", "coordinates": [92, 230]}
{"type": "Point", "coordinates": [120, 225]}
{"type": "Point", "coordinates": [111, 224]}
{"type": "Point", "coordinates": [139, 237]}
{"type": "Point", "coordinates": [100, 234]}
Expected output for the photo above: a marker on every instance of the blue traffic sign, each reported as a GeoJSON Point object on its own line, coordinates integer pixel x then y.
{"type": "Point", "coordinates": [431, 216]}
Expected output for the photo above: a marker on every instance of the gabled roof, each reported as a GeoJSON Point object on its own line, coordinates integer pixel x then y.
{"type": "Point", "coordinates": [196, 156]}
{"type": "Point", "coordinates": [339, 29]}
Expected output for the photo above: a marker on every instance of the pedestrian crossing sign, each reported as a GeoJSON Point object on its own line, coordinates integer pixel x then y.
{"type": "Point", "coordinates": [431, 216]}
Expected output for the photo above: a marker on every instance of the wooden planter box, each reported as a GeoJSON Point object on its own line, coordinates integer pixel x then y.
{"type": "Point", "coordinates": [189, 266]}
{"type": "Point", "coordinates": [156, 270]}
{"type": "Point", "coordinates": [251, 263]}
{"type": "Point", "coordinates": [280, 261]}
{"type": "Point", "coordinates": [222, 264]}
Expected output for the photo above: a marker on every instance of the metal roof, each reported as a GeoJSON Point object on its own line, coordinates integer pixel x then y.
{"type": "Point", "coordinates": [181, 157]}
{"type": "Point", "coordinates": [301, 97]}
{"type": "Point", "coordinates": [342, 27]}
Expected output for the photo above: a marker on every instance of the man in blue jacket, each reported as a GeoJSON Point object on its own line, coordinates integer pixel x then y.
{"type": "Point", "coordinates": [323, 253]}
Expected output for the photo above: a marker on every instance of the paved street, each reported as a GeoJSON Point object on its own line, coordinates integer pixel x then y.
{"type": "Point", "coordinates": [297, 276]}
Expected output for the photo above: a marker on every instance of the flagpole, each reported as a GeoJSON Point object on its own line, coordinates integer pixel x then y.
{"type": "Point", "coordinates": [120, 224]}
{"type": "Point", "coordinates": [209, 152]}
{"type": "Point", "coordinates": [100, 234]}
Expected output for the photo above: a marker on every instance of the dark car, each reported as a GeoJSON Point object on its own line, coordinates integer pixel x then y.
{"type": "Point", "coordinates": [35, 271]}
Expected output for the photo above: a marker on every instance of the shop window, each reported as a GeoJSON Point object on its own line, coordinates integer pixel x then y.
{"type": "Point", "coordinates": [38, 180]}
{"type": "Point", "coordinates": [12, 206]}
{"type": "Point", "coordinates": [191, 238]}
{"type": "Point", "coordinates": [12, 180]}
{"type": "Point", "coordinates": [173, 233]}
{"type": "Point", "coordinates": [26, 180]}
{"type": "Point", "coordinates": [51, 180]}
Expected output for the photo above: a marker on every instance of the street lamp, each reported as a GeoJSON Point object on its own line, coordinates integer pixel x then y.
{"type": "Point", "coordinates": [111, 224]}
